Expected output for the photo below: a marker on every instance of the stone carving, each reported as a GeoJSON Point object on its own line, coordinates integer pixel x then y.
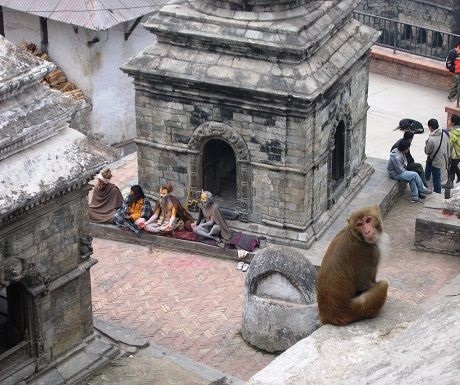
{"type": "Point", "coordinates": [86, 249]}
{"type": "Point", "coordinates": [279, 305]}
{"type": "Point", "coordinates": [14, 269]}
{"type": "Point", "coordinates": [221, 131]}
{"type": "Point", "coordinates": [230, 135]}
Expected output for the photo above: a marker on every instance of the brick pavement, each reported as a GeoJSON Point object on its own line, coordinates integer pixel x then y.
{"type": "Point", "coordinates": [186, 302]}
{"type": "Point", "coordinates": [191, 304]}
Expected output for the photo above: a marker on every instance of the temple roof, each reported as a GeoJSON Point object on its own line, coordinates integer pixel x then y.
{"type": "Point", "coordinates": [297, 53]}
{"type": "Point", "coordinates": [97, 15]}
{"type": "Point", "coordinates": [40, 156]}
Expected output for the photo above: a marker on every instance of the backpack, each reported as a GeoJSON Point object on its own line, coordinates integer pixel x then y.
{"type": "Point", "coordinates": [412, 125]}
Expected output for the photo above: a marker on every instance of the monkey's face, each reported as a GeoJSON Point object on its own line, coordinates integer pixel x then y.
{"type": "Point", "coordinates": [369, 228]}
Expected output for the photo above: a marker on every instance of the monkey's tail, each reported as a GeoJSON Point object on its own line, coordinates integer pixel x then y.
{"type": "Point", "coordinates": [369, 303]}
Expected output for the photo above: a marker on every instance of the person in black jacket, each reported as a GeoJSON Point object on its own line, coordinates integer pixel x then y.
{"type": "Point", "coordinates": [411, 165]}
{"type": "Point", "coordinates": [453, 65]}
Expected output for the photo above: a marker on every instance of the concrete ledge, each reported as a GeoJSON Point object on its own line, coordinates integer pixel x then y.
{"type": "Point", "coordinates": [79, 364]}
{"type": "Point", "coordinates": [107, 231]}
{"type": "Point", "coordinates": [410, 68]}
{"type": "Point", "coordinates": [437, 232]}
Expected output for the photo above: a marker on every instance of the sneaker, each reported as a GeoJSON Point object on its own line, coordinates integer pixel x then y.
{"type": "Point", "coordinates": [427, 191]}
{"type": "Point", "coordinates": [415, 200]}
{"type": "Point", "coordinates": [421, 196]}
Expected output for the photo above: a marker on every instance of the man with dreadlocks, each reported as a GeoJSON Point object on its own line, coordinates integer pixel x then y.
{"type": "Point", "coordinates": [168, 213]}
{"type": "Point", "coordinates": [136, 208]}
{"type": "Point", "coordinates": [211, 224]}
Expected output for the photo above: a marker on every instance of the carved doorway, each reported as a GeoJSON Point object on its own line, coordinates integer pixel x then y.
{"type": "Point", "coordinates": [219, 172]}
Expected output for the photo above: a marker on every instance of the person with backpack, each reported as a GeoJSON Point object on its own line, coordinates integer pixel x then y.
{"type": "Point", "coordinates": [453, 65]}
{"type": "Point", "coordinates": [437, 149]}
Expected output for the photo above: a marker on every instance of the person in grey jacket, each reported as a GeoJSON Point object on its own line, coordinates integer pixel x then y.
{"type": "Point", "coordinates": [397, 169]}
{"type": "Point", "coordinates": [437, 148]}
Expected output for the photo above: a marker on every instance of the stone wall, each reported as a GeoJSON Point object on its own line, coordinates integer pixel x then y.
{"type": "Point", "coordinates": [286, 156]}
{"type": "Point", "coordinates": [52, 243]}
{"type": "Point", "coordinates": [438, 15]}
{"type": "Point", "coordinates": [410, 68]}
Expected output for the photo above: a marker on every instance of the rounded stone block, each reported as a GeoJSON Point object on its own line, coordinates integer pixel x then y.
{"type": "Point", "coordinates": [279, 305]}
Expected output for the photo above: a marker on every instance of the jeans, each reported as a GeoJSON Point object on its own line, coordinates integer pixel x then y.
{"type": "Point", "coordinates": [418, 168]}
{"type": "Point", "coordinates": [415, 182]}
{"type": "Point", "coordinates": [429, 169]}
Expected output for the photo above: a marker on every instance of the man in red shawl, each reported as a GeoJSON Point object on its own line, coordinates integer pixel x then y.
{"type": "Point", "coordinates": [106, 198]}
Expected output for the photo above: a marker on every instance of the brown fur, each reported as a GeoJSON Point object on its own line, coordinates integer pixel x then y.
{"type": "Point", "coordinates": [346, 286]}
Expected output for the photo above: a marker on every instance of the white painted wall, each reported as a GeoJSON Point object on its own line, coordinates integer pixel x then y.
{"type": "Point", "coordinates": [94, 69]}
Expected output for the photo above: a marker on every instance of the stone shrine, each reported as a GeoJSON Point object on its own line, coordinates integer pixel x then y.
{"type": "Point", "coordinates": [261, 102]}
{"type": "Point", "coordinates": [46, 324]}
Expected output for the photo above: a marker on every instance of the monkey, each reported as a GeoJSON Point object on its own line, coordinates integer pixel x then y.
{"type": "Point", "coordinates": [347, 290]}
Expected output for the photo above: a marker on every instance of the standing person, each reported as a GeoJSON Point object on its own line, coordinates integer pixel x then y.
{"type": "Point", "coordinates": [453, 65]}
{"type": "Point", "coordinates": [106, 198]}
{"type": "Point", "coordinates": [397, 170]}
{"type": "Point", "coordinates": [454, 131]}
{"type": "Point", "coordinates": [437, 149]}
{"type": "Point", "coordinates": [135, 209]}
{"type": "Point", "coordinates": [411, 165]}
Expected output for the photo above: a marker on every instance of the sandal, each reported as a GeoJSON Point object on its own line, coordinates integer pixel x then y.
{"type": "Point", "coordinates": [245, 267]}
{"type": "Point", "coordinates": [239, 266]}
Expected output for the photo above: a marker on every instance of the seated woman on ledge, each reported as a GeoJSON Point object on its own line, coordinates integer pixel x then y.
{"type": "Point", "coordinates": [135, 210]}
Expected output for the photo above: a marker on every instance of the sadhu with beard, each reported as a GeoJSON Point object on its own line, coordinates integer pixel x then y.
{"type": "Point", "coordinates": [211, 224]}
{"type": "Point", "coordinates": [168, 213]}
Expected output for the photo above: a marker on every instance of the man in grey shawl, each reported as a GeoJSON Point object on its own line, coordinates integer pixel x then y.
{"type": "Point", "coordinates": [106, 198]}
{"type": "Point", "coordinates": [210, 223]}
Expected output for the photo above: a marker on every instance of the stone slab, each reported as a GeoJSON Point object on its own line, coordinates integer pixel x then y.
{"type": "Point", "coordinates": [112, 232]}
{"type": "Point", "coordinates": [120, 334]}
{"type": "Point", "coordinates": [435, 231]}
{"type": "Point", "coordinates": [314, 360]}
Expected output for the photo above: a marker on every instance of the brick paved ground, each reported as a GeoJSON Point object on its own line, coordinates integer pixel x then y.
{"type": "Point", "coordinates": [192, 304]}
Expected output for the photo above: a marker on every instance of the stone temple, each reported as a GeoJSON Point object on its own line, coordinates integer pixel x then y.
{"type": "Point", "coordinates": [261, 102]}
{"type": "Point", "coordinates": [46, 323]}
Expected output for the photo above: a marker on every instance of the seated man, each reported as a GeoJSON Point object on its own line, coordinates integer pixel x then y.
{"type": "Point", "coordinates": [411, 165]}
{"type": "Point", "coordinates": [397, 169]}
{"type": "Point", "coordinates": [106, 199]}
{"type": "Point", "coordinates": [136, 208]}
{"type": "Point", "coordinates": [211, 224]}
{"type": "Point", "coordinates": [168, 213]}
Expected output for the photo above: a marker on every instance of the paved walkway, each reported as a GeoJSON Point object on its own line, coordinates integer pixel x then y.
{"type": "Point", "coordinates": [191, 304]}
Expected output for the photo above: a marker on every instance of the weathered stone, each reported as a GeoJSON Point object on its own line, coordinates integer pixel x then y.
{"type": "Point", "coordinates": [279, 305]}
{"type": "Point", "coordinates": [274, 82]}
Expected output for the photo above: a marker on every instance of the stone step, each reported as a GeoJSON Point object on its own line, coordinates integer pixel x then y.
{"type": "Point", "coordinates": [112, 232]}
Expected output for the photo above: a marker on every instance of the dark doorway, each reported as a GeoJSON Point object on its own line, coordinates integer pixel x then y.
{"type": "Point", "coordinates": [219, 172]}
{"type": "Point", "coordinates": [12, 321]}
{"type": "Point", "coordinates": [338, 156]}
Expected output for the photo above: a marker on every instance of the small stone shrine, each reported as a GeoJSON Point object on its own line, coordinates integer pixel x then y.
{"type": "Point", "coordinates": [262, 103]}
{"type": "Point", "coordinates": [46, 325]}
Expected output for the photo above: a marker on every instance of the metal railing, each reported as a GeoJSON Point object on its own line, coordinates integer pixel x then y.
{"type": "Point", "coordinates": [409, 37]}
